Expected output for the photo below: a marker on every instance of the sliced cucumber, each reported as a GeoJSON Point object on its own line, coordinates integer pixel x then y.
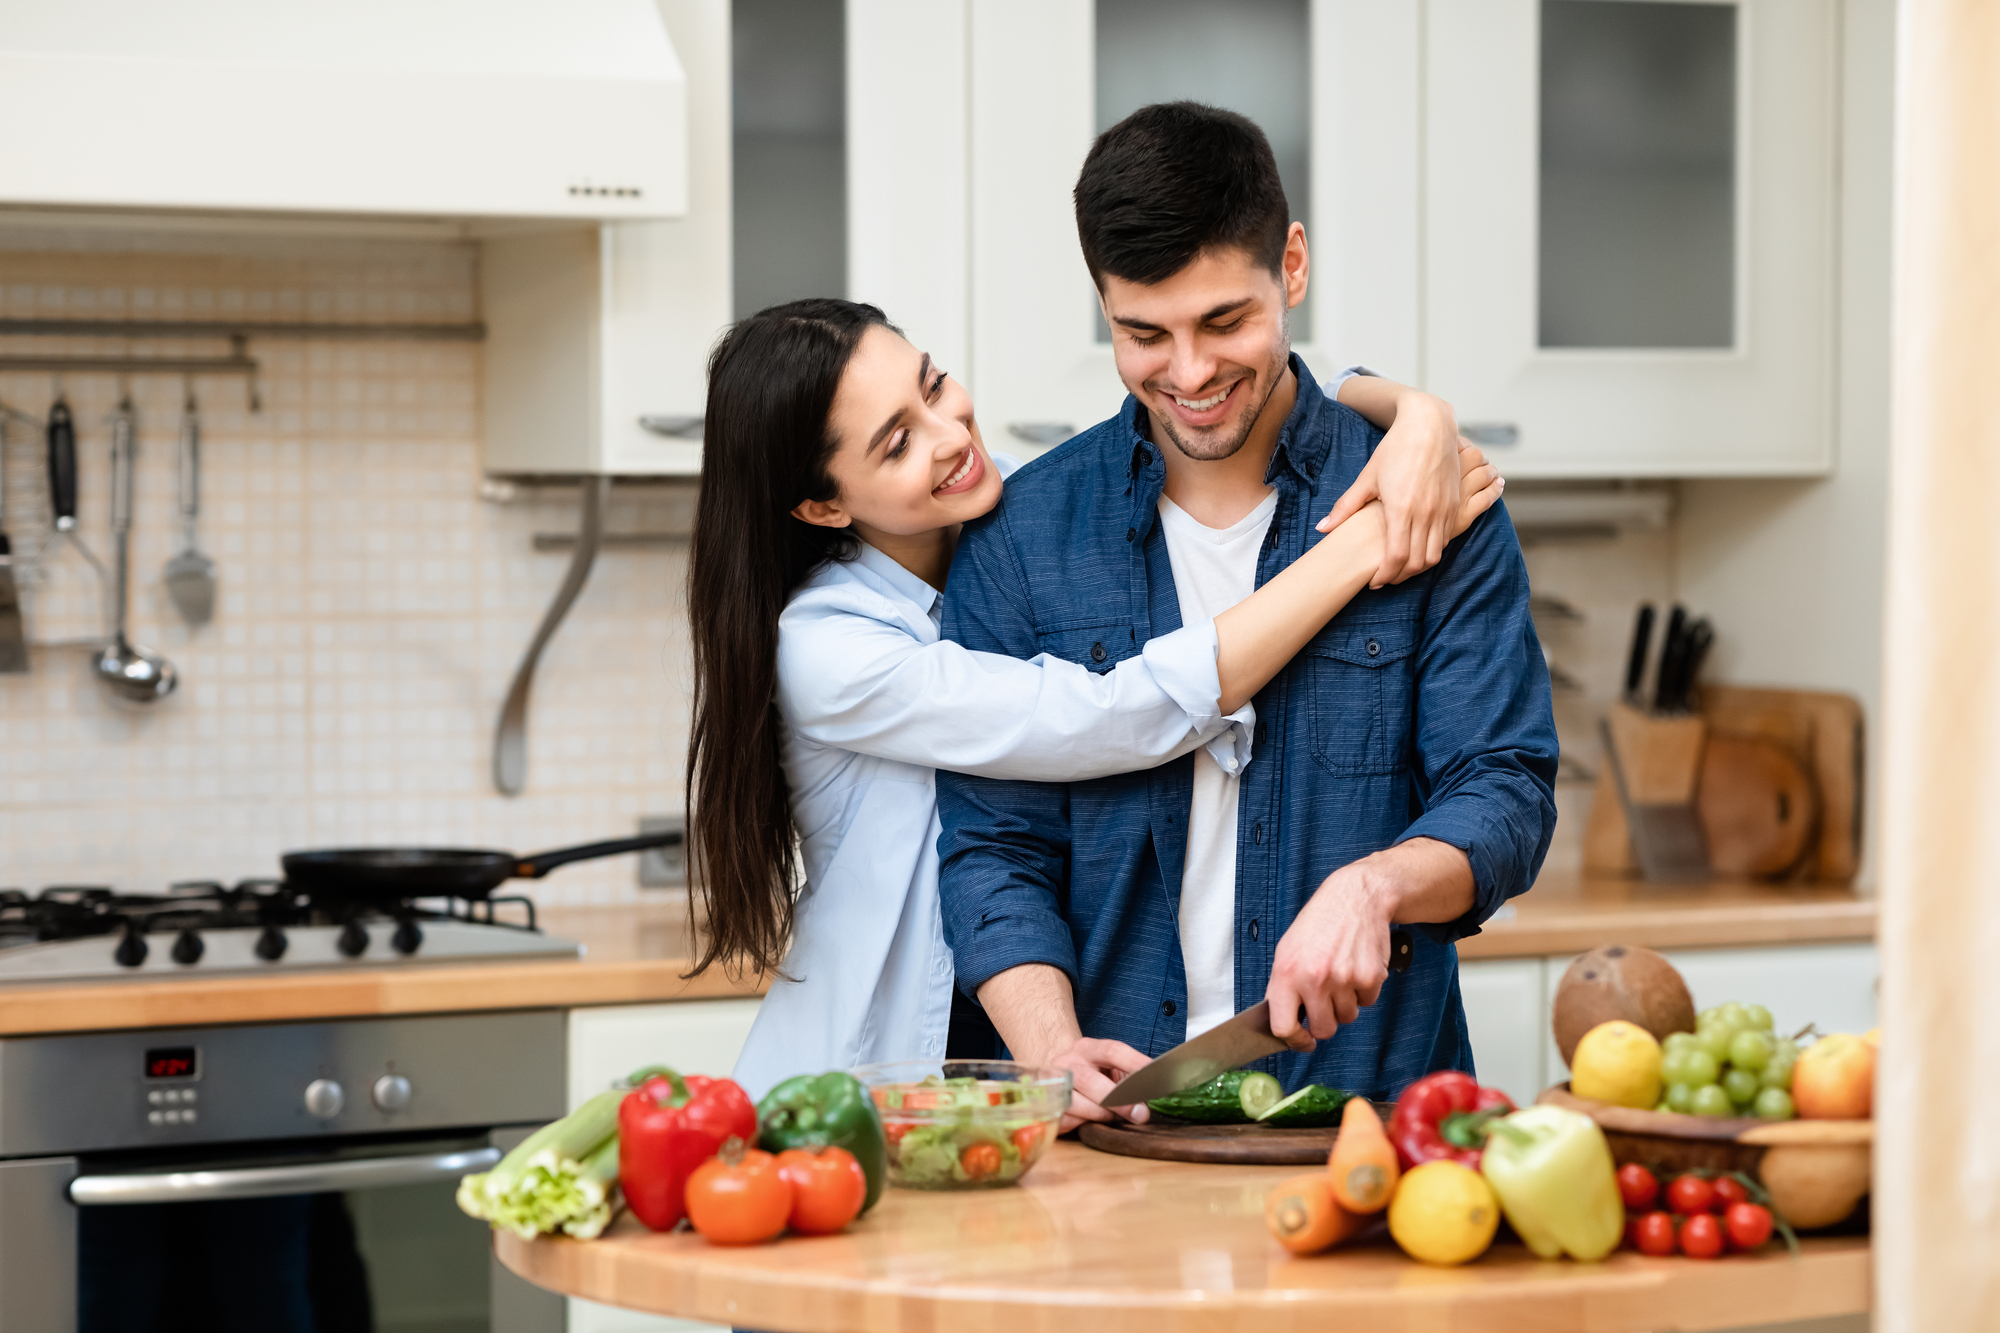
{"type": "Point", "coordinates": [1259, 1093]}
{"type": "Point", "coordinates": [1311, 1107]}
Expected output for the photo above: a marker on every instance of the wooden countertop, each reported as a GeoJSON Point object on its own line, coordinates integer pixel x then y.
{"type": "Point", "coordinates": [1567, 913]}
{"type": "Point", "coordinates": [1161, 1247]}
{"type": "Point", "coordinates": [634, 955]}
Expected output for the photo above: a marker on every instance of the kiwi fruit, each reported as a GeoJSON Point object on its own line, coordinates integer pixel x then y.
{"type": "Point", "coordinates": [1620, 981]}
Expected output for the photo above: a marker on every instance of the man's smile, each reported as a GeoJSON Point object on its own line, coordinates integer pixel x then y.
{"type": "Point", "coordinates": [1207, 411]}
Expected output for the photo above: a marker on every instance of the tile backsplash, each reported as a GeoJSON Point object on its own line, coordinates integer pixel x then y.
{"type": "Point", "coordinates": [372, 604]}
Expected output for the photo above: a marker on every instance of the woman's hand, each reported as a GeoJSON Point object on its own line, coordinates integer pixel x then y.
{"type": "Point", "coordinates": [1415, 473]}
{"type": "Point", "coordinates": [1479, 482]}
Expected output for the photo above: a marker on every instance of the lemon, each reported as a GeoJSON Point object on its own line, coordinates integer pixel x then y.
{"type": "Point", "coordinates": [1443, 1213]}
{"type": "Point", "coordinates": [1617, 1062]}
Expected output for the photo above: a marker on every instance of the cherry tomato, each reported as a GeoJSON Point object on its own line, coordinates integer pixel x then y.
{"type": "Point", "coordinates": [1656, 1234]}
{"type": "Point", "coordinates": [1729, 1192]}
{"type": "Point", "coordinates": [980, 1160]}
{"type": "Point", "coordinates": [1701, 1236]}
{"type": "Point", "coordinates": [1689, 1195]}
{"type": "Point", "coordinates": [894, 1130]}
{"type": "Point", "coordinates": [739, 1199]}
{"type": "Point", "coordinates": [1630, 1240]}
{"type": "Point", "coordinates": [1028, 1141]}
{"type": "Point", "coordinates": [1748, 1224]}
{"type": "Point", "coordinates": [828, 1189]}
{"type": "Point", "coordinates": [1638, 1186]}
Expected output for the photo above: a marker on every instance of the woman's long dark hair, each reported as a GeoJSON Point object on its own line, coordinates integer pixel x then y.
{"type": "Point", "coordinates": [765, 447]}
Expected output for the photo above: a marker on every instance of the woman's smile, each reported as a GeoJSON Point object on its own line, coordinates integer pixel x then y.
{"type": "Point", "coordinates": [970, 471]}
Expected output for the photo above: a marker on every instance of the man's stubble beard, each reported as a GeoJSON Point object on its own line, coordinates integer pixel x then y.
{"type": "Point", "coordinates": [1251, 418]}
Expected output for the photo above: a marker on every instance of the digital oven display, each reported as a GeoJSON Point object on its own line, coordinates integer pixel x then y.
{"type": "Point", "coordinates": [171, 1062]}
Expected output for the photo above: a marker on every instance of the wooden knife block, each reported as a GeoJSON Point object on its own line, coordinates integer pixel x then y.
{"type": "Point", "coordinates": [1812, 747]}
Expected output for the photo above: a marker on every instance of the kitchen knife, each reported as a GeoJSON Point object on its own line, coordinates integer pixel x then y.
{"type": "Point", "coordinates": [1228, 1045]}
{"type": "Point", "coordinates": [1635, 667]}
{"type": "Point", "coordinates": [1672, 647]}
{"type": "Point", "coordinates": [13, 638]}
{"type": "Point", "coordinates": [1700, 638]}
{"type": "Point", "coordinates": [62, 465]}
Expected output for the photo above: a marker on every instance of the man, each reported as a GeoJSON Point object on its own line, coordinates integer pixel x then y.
{"type": "Point", "coordinates": [1404, 762]}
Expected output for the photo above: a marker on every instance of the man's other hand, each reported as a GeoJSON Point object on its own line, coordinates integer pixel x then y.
{"type": "Point", "coordinates": [1097, 1065]}
{"type": "Point", "coordinates": [1335, 957]}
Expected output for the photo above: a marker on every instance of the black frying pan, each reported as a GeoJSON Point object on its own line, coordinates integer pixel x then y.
{"type": "Point", "coordinates": [384, 875]}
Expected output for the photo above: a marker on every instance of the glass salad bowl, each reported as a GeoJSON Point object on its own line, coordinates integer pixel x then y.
{"type": "Point", "coordinates": [965, 1124]}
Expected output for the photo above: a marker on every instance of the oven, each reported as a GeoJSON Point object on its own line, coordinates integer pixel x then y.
{"type": "Point", "coordinates": [281, 1178]}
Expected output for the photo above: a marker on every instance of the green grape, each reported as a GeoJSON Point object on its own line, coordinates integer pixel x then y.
{"type": "Point", "coordinates": [1673, 1066]}
{"type": "Point", "coordinates": [1778, 1074]}
{"type": "Point", "coordinates": [1741, 1085]}
{"type": "Point", "coordinates": [1678, 1041]}
{"type": "Point", "coordinates": [1774, 1104]}
{"type": "Point", "coordinates": [1732, 1013]}
{"type": "Point", "coordinates": [1752, 1050]}
{"type": "Point", "coordinates": [1711, 1100]}
{"type": "Point", "coordinates": [1663, 1105]}
{"type": "Point", "coordinates": [1714, 1042]}
{"type": "Point", "coordinates": [1699, 1067]}
{"type": "Point", "coordinates": [1760, 1017]}
{"type": "Point", "coordinates": [1680, 1097]}
{"type": "Point", "coordinates": [1785, 1051]}
{"type": "Point", "coordinates": [1707, 1015]}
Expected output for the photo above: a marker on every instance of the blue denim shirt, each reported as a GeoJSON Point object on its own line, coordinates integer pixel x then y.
{"type": "Point", "coordinates": [1422, 710]}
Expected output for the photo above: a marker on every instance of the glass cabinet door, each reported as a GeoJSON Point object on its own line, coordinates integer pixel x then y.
{"type": "Point", "coordinates": [1629, 232]}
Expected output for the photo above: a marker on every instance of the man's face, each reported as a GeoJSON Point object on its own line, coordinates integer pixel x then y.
{"type": "Point", "coordinates": [1204, 350]}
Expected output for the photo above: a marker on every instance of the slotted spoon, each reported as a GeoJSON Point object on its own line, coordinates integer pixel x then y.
{"type": "Point", "coordinates": [191, 575]}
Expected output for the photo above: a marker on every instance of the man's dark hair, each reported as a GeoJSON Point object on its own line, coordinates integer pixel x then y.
{"type": "Point", "coordinates": [1172, 180]}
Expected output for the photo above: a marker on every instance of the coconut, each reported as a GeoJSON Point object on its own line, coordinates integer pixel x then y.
{"type": "Point", "coordinates": [1618, 981]}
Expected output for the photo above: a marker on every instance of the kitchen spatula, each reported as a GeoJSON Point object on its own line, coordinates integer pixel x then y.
{"type": "Point", "coordinates": [191, 575]}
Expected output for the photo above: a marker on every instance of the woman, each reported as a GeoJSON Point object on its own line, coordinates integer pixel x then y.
{"type": "Point", "coordinates": [837, 466]}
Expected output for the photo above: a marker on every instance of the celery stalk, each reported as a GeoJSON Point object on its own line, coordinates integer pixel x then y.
{"type": "Point", "coordinates": [561, 1177]}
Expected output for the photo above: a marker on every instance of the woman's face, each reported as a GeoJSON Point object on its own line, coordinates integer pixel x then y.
{"type": "Point", "coordinates": [909, 459]}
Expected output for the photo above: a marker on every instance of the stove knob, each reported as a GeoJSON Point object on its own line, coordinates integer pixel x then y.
{"type": "Point", "coordinates": [270, 944]}
{"type": "Point", "coordinates": [187, 948]}
{"type": "Point", "coordinates": [391, 1092]}
{"type": "Point", "coordinates": [131, 950]}
{"type": "Point", "coordinates": [353, 941]}
{"type": "Point", "coordinates": [324, 1099]}
{"type": "Point", "coordinates": [409, 937]}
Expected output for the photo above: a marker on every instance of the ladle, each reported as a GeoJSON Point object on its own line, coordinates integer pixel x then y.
{"type": "Point", "coordinates": [129, 672]}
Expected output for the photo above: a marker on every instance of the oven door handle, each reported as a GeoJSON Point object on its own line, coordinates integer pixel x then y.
{"type": "Point", "coordinates": [263, 1182]}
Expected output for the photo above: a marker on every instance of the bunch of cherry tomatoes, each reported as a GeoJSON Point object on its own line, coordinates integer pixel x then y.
{"type": "Point", "coordinates": [744, 1196]}
{"type": "Point", "coordinates": [1701, 1216]}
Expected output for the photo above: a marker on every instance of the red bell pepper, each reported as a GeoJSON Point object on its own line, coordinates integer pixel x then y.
{"type": "Point", "coordinates": [1443, 1117]}
{"type": "Point", "coordinates": [668, 1126]}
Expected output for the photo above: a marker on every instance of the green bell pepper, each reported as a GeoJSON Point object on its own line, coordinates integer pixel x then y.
{"type": "Point", "coordinates": [1553, 1172]}
{"type": "Point", "coordinates": [828, 1110]}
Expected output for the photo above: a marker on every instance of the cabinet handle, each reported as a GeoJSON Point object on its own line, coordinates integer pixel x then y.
{"type": "Point", "coordinates": [681, 427]}
{"type": "Point", "coordinates": [1044, 433]}
{"type": "Point", "coordinates": [1491, 432]}
{"type": "Point", "coordinates": [263, 1182]}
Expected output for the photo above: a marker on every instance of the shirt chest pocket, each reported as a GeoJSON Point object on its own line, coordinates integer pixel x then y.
{"type": "Point", "coordinates": [1098, 646]}
{"type": "Point", "coordinates": [1362, 686]}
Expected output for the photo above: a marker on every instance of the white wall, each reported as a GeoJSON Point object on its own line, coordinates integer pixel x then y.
{"type": "Point", "coordinates": [1791, 572]}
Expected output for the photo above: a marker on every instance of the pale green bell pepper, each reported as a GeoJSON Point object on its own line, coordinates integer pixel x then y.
{"type": "Point", "coordinates": [1553, 1172]}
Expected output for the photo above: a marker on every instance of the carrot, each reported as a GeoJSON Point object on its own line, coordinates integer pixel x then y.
{"type": "Point", "coordinates": [1362, 1168]}
{"type": "Point", "coordinates": [1304, 1218]}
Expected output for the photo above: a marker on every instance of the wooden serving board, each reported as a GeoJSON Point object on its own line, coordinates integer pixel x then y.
{"type": "Point", "coordinates": [1237, 1145]}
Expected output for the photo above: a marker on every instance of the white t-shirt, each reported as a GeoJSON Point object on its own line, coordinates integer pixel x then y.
{"type": "Point", "coordinates": [1214, 569]}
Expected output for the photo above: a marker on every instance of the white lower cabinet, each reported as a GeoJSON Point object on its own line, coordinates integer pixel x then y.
{"type": "Point", "coordinates": [1507, 1012]}
{"type": "Point", "coordinates": [695, 1037]}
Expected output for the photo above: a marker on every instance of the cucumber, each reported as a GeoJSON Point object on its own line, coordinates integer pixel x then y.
{"type": "Point", "coordinates": [1311, 1107]}
{"type": "Point", "coordinates": [1259, 1093]}
{"type": "Point", "coordinates": [1216, 1102]}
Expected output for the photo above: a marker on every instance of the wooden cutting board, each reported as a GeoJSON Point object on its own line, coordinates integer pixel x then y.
{"type": "Point", "coordinates": [1758, 806]}
{"type": "Point", "coordinates": [1237, 1145]}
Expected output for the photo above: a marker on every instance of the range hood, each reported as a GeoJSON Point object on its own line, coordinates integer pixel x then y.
{"type": "Point", "coordinates": [453, 109]}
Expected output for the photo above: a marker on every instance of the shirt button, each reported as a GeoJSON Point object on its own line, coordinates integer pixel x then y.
{"type": "Point", "coordinates": [1131, 533]}
{"type": "Point", "coordinates": [1257, 833]}
{"type": "Point", "coordinates": [1253, 927]}
{"type": "Point", "coordinates": [1097, 652]}
{"type": "Point", "coordinates": [1374, 648]}
{"type": "Point", "coordinates": [1168, 1008]}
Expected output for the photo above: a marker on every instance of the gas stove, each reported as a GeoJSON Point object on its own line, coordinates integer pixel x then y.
{"type": "Point", "coordinates": [259, 926]}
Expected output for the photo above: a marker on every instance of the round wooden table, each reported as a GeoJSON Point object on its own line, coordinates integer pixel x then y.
{"type": "Point", "coordinates": [1090, 1243]}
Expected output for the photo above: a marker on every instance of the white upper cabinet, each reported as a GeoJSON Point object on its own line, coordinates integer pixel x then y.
{"type": "Point", "coordinates": [1332, 82]}
{"type": "Point", "coordinates": [1629, 232]}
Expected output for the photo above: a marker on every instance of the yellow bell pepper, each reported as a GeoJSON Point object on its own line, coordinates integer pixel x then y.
{"type": "Point", "coordinates": [1553, 1172]}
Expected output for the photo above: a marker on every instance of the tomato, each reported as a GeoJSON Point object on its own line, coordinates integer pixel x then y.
{"type": "Point", "coordinates": [1630, 1240]}
{"type": "Point", "coordinates": [1638, 1186]}
{"type": "Point", "coordinates": [1028, 1141]}
{"type": "Point", "coordinates": [1701, 1236]}
{"type": "Point", "coordinates": [980, 1160]}
{"type": "Point", "coordinates": [1689, 1195]}
{"type": "Point", "coordinates": [1748, 1224]}
{"type": "Point", "coordinates": [894, 1130]}
{"type": "Point", "coordinates": [739, 1198]}
{"type": "Point", "coordinates": [1729, 1192]}
{"type": "Point", "coordinates": [828, 1188]}
{"type": "Point", "coordinates": [1656, 1234]}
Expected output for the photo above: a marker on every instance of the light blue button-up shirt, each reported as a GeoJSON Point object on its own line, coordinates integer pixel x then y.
{"type": "Point", "coordinates": [873, 701]}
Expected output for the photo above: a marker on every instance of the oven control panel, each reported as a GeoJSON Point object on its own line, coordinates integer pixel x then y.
{"type": "Point", "coordinates": [102, 1091]}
